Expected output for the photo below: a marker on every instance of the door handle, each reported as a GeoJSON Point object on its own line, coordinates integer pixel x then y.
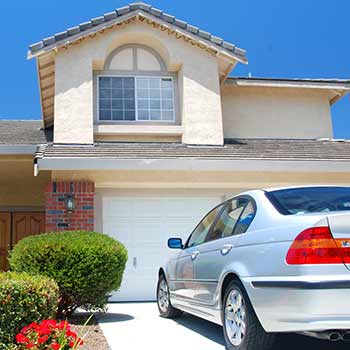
{"type": "Point", "coordinates": [226, 249]}
{"type": "Point", "coordinates": [134, 262]}
{"type": "Point", "coordinates": [194, 254]}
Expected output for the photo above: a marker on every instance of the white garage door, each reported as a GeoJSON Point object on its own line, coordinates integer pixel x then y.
{"type": "Point", "coordinates": [143, 225]}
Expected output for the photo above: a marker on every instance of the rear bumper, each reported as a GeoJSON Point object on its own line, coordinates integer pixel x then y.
{"type": "Point", "coordinates": [313, 303]}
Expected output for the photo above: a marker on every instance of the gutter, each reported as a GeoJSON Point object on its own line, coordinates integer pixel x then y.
{"type": "Point", "coordinates": [17, 149]}
{"type": "Point", "coordinates": [191, 164]}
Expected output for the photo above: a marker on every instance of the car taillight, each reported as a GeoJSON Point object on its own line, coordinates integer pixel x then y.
{"type": "Point", "coordinates": [315, 245]}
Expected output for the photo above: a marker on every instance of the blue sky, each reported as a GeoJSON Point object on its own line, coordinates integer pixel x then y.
{"type": "Point", "coordinates": [283, 38]}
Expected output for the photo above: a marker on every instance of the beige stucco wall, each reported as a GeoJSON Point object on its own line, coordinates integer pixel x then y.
{"type": "Point", "coordinates": [250, 112]}
{"type": "Point", "coordinates": [198, 80]}
{"type": "Point", "coordinates": [18, 186]}
{"type": "Point", "coordinates": [201, 179]}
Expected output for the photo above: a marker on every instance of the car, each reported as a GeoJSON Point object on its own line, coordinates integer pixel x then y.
{"type": "Point", "coordinates": [266, 262]}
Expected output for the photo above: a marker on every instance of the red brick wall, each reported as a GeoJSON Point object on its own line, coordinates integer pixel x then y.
{"type": "Point", "coordinates": [58, 218]}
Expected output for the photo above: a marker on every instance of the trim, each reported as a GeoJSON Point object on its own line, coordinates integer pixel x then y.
{"type": "Point", "coordinates": [295, 83]}
{"type": "Point", "coordinates": [22, 209]}
{"type": "Point", "coordinates": [193, 281]}
{"type": "Point", "coordinates": [137, 129]}
{"type": "Point", "coordinates": [18, 149]}
{"type": "Point", "coordinates": [134, 47]}
{"type": "Point", "coordinates": [302, 284]}
{"type": "Point", "coordinates": [98, 163]}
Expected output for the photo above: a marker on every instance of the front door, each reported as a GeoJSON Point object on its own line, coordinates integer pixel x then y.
{"type": "Point", "coordinates": [14, 227]}
{"type": "Point", "coordinates": [5, 239]}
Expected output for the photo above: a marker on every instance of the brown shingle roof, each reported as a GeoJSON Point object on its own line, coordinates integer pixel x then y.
{"type": "Point", "coordinates": [264, 149]}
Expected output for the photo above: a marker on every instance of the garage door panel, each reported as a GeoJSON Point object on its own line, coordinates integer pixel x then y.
{"type": "Point", "coordinates": [143, 225]}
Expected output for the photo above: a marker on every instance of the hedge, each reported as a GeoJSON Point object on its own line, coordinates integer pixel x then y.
{"type": "Point", "coordinates": [87, 266]}
{"type": "Point", "coordinates": [24, 299]}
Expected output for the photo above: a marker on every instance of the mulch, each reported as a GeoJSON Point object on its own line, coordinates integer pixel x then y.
{"type": "Point", "coordinates": [92, 334]}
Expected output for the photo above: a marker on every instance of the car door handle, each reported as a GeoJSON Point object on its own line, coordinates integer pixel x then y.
{"type": "Point", "coordinates": [194, 254]}
{"type": "Point", "coordinates": [226, 249]}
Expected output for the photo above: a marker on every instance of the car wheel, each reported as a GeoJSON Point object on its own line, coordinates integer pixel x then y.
{"type": "Point", "coordinates": [242, 329]}
{"type": "Point", "coordinates": [163, 300]}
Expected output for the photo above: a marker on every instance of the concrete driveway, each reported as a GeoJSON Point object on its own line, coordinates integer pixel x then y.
{"type": "Point", "coordinates": [134, 326]}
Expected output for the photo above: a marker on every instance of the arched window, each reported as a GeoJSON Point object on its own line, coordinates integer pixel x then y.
{"type": "Point", "coordinates": [135, 87]}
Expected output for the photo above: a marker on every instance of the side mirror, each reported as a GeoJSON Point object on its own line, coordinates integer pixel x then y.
{"type": "Point", "coordinates": [175, 243]}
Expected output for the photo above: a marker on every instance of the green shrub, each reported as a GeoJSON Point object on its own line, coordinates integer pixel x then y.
{"type": "Point", "coordinates": [87, 266]}
{"type": "Point", "coordinates": [24, 299]}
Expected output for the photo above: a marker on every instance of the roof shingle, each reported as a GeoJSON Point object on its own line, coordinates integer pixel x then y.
{"type": "Point", "coordinates": [138, 6]}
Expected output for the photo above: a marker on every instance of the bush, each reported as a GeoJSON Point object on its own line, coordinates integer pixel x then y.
{"type": "Point", "coordinates": [24, 299]}
{"type": "Point", "coordinates": [87, 266]}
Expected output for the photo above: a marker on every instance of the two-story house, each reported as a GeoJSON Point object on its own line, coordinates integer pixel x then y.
{"type": "Point", "coordinates": [143, 131]}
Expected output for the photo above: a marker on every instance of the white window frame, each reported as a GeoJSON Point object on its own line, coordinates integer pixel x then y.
{"type": "Point", "coordinates": [137, 120]}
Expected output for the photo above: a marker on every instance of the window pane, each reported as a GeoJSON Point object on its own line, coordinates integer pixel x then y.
{"type": "Point", "coordinates": [167, 104]}
{"type": "Point", "coordinates": [154, 83]}
{"type": "Point", "coordinates": [128, 83]}
{"type": "Point", "coordinates": [167, 83]}
{"type": "Point", "coordinates": [143, 114]}
{"type": "Point", "coordinates": [117, 104]}
{"type": "Point", "coordinates": [129, 104]}
{"type": "Point", "coordinates": [129, 115]}
{"type": "Point", "coordinates": [246, 219]}
{"type": "Point", "coordinates": [117, 93]}
{"type": "Point", "coordinates": [128, 93]}
{"type": "Point", "coordinates": [167, 93]}
{"type": "Point", "coordinates": [142, 83]}
{"type": "Point", "coordinates": [155, 115]}
{"type": "Point", "coordinates": [142, 104]}
{"type": "Point", "coordinates": [117, 83]}
{"type": "Point", "coordinates": [105, 114]}
{"type": "Point", "coordinates": [105, 93]}
{"type": "Point", "coordinates": [154, 93]}
{"type": "Point", "coordinates": [117, 115]}
{"type": "Point", "coordinates": [155, 104]}
{"type": "Point", "coordinates": [201, 231]}
{"type": "Point", "coordinates": [168, 115]}
{"type": "Point", "coordinates": [105, 82]}
{"type": "Point", "coordinates": [142, 93]}
{"type": "Point", "coordinates": [105, 104]}
{"type": "Point", "coordinates": [228, 219]}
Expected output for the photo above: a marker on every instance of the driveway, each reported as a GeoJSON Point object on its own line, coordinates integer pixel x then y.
{"type": "Point", "coordinates": [134, 326]}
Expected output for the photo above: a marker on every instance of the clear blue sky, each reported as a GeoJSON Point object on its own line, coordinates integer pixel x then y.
{"type": "Point", "coordinates": [283, 38]}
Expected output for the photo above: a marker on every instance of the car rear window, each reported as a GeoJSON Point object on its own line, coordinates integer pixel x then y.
{"type": "Point", "coordinates": [310, 199]}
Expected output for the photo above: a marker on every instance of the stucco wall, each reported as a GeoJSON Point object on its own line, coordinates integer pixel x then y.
{"type": "Point", "coordinates": [198, 79]}
{"type": "Point", "coordinates": [250, 112]}
{"type": "Point", "coordinates": [18, 186]}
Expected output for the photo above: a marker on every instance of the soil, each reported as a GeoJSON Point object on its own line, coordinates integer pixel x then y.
{"type": "Point", "coordinates": [91, 333]}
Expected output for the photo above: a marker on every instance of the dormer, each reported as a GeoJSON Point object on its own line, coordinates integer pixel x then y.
{"type": "Point", "coordinates": [135, 74]}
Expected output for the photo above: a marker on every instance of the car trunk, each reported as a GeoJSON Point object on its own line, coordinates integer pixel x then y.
{"type": "Point", "coordinates": [339, 224]}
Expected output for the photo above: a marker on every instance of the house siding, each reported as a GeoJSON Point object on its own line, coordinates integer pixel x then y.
{"type": "Point", "coordinates": [57, 217]}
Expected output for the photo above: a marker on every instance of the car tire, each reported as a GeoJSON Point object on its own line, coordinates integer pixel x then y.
{"type": "Point", "coordinates": [165, 308]}
{"type": "Point", "coordinates": [242, 329]}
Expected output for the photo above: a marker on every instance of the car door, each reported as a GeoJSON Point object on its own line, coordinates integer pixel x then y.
{"type": "Point", "coordinates": [183, 283]}
{"type": "Point", "coordinates": [218, 249]}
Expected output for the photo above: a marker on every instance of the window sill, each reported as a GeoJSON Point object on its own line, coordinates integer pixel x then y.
{"type": "Point", "coordinates": [120, 129]}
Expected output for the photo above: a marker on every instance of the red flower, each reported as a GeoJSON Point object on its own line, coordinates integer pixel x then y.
{"type": "Point", "coordinates": [43, 339]}
{"type": "Point", "coordinates": [55, 346]}
{"type": "Point", "coordinates": [21, 339]}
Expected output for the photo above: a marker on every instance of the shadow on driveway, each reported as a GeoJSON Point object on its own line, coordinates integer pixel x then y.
{"type": "Point", "coordinates": [286, 341]}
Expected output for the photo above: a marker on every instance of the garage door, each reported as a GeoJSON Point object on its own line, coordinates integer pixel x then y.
{"type": "Point", "coordinates": [144, 225]}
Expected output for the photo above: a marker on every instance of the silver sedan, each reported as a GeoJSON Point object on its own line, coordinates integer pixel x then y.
{"type": "Point", "coordinates": [265, 262]}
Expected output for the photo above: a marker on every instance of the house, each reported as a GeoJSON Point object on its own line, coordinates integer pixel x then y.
{"type": "Point", "coordinates": [143, 131]}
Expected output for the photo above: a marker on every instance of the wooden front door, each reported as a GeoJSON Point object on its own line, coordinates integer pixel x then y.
{"type": "Point", "coordinates": [14, 227]}
{"type": "Point", "coordinates": [5, 239]}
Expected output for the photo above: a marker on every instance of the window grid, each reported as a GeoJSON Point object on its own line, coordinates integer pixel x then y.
{"type": "Point", "coordinates": [153, 99]}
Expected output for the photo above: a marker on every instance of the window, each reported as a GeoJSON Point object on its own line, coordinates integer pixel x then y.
{"type": "Point", "coordinates": [136, 98]}
{"type": "Point", "coordinates": [140, 89]}
{"type": "Point", "coordinates": [310, 199]}
{"type": "Point", "coordinates": [200, 233]}
{"type": "Point", "coordinates": [234, 219]}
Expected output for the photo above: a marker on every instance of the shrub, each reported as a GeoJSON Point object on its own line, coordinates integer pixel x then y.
{"type": "Point", "coordinates": [87, 266]}
{"type": "Point", "coordinates": [24, 299]}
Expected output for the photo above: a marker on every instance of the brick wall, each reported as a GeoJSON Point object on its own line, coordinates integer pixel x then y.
{"type": "Point", "coordinates": [58, 218]}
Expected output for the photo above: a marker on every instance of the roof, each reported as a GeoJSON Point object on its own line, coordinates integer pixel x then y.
{"type": "Point", "coordinates": [234, 149]}
{"type": "Point", "coordinates": [109, 19]}
{"type": "Point", "coordinates": [23, 132]}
